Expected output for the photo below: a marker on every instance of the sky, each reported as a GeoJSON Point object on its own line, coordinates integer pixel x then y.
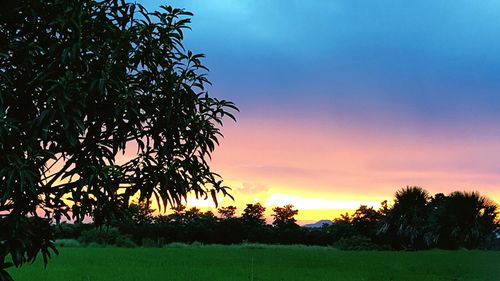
{"type": "Point", "coordinates": [344, 102]}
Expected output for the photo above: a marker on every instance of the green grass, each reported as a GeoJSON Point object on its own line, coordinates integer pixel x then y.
{"type": "Point", "coordinates": [256, 262]}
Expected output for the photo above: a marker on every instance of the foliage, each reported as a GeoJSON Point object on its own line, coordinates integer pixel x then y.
{"type": "Point", "coordinates": [463, 219]}
{"type": "Point", "coordinates": [417, 220]}
{"type": "Point", "coordinates": [106, 236]}
{"type": "Point", "coordinates": [79, 82]}
{"type": "Point", "coordinates": [32, 235]}
{"type": "Point", "coordinates": [287, 231]}
{"type": "Point", "coordinates": [358, 243]}
{"type": "Point", "coordinates": [70, 230]}
{"type": "Point", "coordinates": [284, 216]}
{"type": "Point", "coordinates": [103, 236]}
{"type": "Point", "coordinates": [149, 243]}
{"type": "Point", "coordinates": [253, 214]}
{"type": "Point", "coordinates": [67, 243]}
{"type": "Point", "coordinates": [125, 241]}
{"type": "Point", "coordinates": [366, 221]}
{"type": "Point", "coordinates": [407, 221]}
{"type": "Point", "coordinates": [227, 212]}
{"type": "Point", "coordinates": [359, 230]}
{"type": "Point", "coordinates": [138, 213]}
{"type": "Point", "coordinates": [254, 227]}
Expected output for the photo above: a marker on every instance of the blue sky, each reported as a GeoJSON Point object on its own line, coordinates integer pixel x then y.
{"type": "Point", "coordinates": [426, 61]}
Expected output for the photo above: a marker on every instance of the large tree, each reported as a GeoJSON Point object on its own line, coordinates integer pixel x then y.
{"type": "Point", "coordinates": [462, 219]}
{"type": "Point", "coordinates": [406, 222]}
{"type": "Point", "coordinates": [284, 216]}
{"type": "Point", "coordinates": [253, 215]}
{"type": "Point", "coordinates": [99, 102]}
{"type": "Point", "coordinates": [227, 212]}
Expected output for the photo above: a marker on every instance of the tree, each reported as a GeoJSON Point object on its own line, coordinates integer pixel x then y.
{"type": "Point", "coordinates": [406, 223]}
{"type": "Point", "coordinates": [253, 214]}
{"type": "Point", "coordinates": [463, 219]}
{"type": "Point", "coordinates": [366, 221]}
{"type": "Point", "coordinates": [285, 228]}
{"type": "Point", "coordinates": [230, 229]}
{"type": "Point", "coordinates": [342, 227]}
{"type": "Point", "coordinates": [81, 81]}
{"type": "Point", "coordinates": [284, 216]}
{"type": "Point", "coordinates": [227, 212]}
{"type": "Point", "coordinates": [254, 224]}
{"type": "Point", "coordinates": [138, 213]}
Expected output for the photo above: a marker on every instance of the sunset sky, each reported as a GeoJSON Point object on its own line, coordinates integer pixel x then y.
{"type": "Point", "coordinates": [344, 102]}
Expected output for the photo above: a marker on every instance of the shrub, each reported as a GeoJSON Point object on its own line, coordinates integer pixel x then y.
{"type": "Point", "coordinates": [67, 243]}
{"type": "Point", "coordinates": [196, 244]}
{"type": "Point", "coordinates": [358, 243]}
{"type": "Point", "coordinates": [94, 245]}
{"type": "Point", "coordinates": [175, 245]}
{"type": "Point", "coordinates": [125, 241]}
{"type": "Point", "coordinates": [492, 243]}
{"type": "Point", "coordinates": [103, 236]}
{"type": "Point", "coordinates": [149, 243]}
{"type": "Point", "coordinates": [254, 246]}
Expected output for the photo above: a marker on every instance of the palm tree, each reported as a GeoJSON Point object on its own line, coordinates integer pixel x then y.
{"type": "Point", "coordinates": [463, 219]}
{"type": "Point", "coordinates": [405, 225]}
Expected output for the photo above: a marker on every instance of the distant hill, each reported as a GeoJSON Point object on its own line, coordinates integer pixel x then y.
{"type": "Point", "coordinates": [318, 224]}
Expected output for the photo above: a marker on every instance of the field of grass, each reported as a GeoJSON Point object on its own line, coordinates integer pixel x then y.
{"type": "Point", "coordinates": [259, 263]}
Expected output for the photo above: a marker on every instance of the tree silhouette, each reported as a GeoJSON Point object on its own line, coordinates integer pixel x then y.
{"type": "Point", "coordinates": [342, 227]}
{"type": "Point", "coordinates": [284, 216]}
{"type": "Point", "coordinates": [138, 213]}
{"type": "Point", "coordinates": [230, 229]}
{"type": "Point", "coordinates": [366, 221]}
{"type": "Point", "coordinates": [408, 219]}
{"type": "Point", "coordinates": [227, 212]}
{"type": "Point", "coordinates": [463, 219]}
{"type": "Point", "coordinates": [79, 82]}
{"type": "Point", "coordinates": [254, 224]}
{"type": "Point", "coordinates": [287, 231]}
{"type": "Point", "coordinates": [253, 214]}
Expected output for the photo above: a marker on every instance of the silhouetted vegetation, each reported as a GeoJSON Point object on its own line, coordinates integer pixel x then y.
{"type": "Point", "coordinates": [415, 221]}
{"type": "Point", "coordinates": [81, 81]}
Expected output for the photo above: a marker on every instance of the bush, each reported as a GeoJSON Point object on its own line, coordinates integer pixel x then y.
{"type": "Point", "coordinates": [254, 246]}
{"type": "Point", "coordinates": [196, 244]}
{"type": "Point", "coordinates": [94, 245]}
{"type": "Point", "coordinates": [67, 243]}
{"type": "Point", "coordinates": [492, 243]}
{"type": "Point", "coordinates": [125, 241]}
{"type": "Point", "coordinates": [103, 236]}
{"type": "Point", "coordinates": [149, 243]}
{"type": "Point", "coordinates": [70, 230]}
{"type": "Point", "coordinates": [358, 243]}
{"type": "Point", "coordinates": [175, 245]}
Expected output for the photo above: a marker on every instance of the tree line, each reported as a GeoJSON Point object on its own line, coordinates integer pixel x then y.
{"type": "Point", "coordinates": [415, 221]}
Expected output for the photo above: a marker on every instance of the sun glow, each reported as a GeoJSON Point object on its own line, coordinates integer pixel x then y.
{"type": "Point", "coordinates": [303, 203]}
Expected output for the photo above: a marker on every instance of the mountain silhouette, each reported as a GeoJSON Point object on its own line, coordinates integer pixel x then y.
{"type": "Point", "coordinates": [318, 224]}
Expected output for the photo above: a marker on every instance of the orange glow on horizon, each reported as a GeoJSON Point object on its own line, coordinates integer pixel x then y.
{"type": "Point", "coordinates": [325, 170]}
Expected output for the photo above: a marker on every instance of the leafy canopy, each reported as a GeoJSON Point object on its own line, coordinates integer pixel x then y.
{"type": "Point", "coordinates": [227, 212]}
{"type": "Point", "coordinates": [81, 81]}
{"type": "Point", "coordinates": [253, 214]}
{"type": "Point", "coordinates": [284, 216]}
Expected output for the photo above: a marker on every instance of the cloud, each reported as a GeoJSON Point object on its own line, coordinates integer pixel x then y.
{"type": "Point", "coordinates": [281, 171]}
{"type": "Point", "coordinates": [252, 188]}
{"type": "Point", "coordinates": [304, 203]}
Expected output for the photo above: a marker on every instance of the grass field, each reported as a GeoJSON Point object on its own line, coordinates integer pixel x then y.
{"type": "Point", "coordinates": [255, 262]}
